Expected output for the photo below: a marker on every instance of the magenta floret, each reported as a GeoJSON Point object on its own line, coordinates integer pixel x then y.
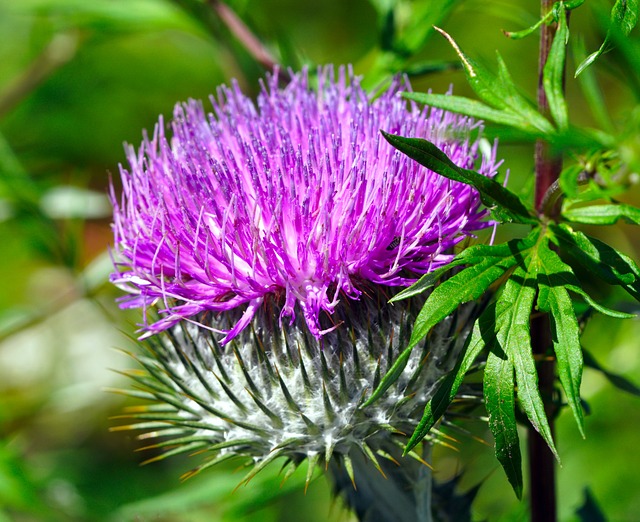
{"type": "Point", "coordinates": [297, 195]}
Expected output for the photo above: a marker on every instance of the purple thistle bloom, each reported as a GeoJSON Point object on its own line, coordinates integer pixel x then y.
{"type": "Point", "coordinates": [297, 196]}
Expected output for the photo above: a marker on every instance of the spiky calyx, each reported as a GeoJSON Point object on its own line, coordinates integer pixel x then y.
{"type": "Point", "coordinates": [280, 392]}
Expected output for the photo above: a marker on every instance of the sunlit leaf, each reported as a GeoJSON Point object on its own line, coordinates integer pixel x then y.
{"type": "Point", "coordinates": [469, 107]}
{"type": "Point", "coordinates": [491, 192]}
{"type": "Point", "coordinates": [465, 286]}
{"type": "Point", "coordinates": [599, 258]}
{"type": "Point", "coordinates": [565, 331]}
{"type": "Point", "coordinates": [449, 387]}
{"type": "Point", "coordinates": [603, 214]}
{"type": "Point", "coordinates": [514, 337]}
{"type": "Point", "coordinates": [624, 17]}
{"type": "Point", "coordinates": [500, 403]}
{"type": "Point", "coordinates": [553, 74]}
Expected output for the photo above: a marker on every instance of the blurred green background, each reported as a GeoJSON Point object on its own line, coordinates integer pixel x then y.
{"type": "Point", "coordinates": [77, 79]}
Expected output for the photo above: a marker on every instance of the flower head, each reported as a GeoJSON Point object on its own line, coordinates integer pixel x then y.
{"type": "Point", "coordinates": [296, 196]}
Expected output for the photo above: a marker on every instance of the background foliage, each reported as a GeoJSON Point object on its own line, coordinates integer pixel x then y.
{"type": "Point", "coordinates": [77, 79]}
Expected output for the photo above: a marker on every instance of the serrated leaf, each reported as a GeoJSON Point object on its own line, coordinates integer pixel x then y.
{"type": "Point", "coordinates": [562, 275]}
{"type": "Point", "coordinates": [467, 285]}
{"type": "Point", "coordinates": [450, 385]}
{"type": "Point", "coordinates": [564, 327]}
{"type": "Point", "coordinates": [500, 93]}
{"type": "Point", "coordinates": [470, 255]}
{"type": "Point", "coordinates": [599, 258]}
{"type": "Point", "coordinates": [624, 17]}
{"type": "Point", "coordinates": [427, 281]}
{"type": "Point", "coordinates": [500, 403]}
{"type": "Point", "coordinates": [620, 382]}
{"type": "Point", "coordinates": [603, 214]}
{"type": "Point", "coordinates": [464, 286]}
{"type": "Point", "coordinates": [553, 73]}
{"type": "Point", "coordinates": [491, 192]}
{"type": "Point", "coordinates": [514, 337]}
{"type": "Point", "coordinates": [518, 104]}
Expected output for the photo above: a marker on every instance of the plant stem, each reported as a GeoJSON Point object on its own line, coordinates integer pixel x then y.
{"type": "Point", "coordinates": [541, 460]}
{"type": "Point", "coordinates": [547, 167]}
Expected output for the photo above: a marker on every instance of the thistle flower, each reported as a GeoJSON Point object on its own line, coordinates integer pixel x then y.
{"type": "Point", "coordinates": [297, 196]}
{"type": "Point", "coordinates": [286, 225]}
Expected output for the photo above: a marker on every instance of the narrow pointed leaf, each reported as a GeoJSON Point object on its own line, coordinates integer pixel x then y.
{"type": "Point", "coordinates": [565, 331]}
{"type": "Point", "coordinates": [518, 35]}
{"type": "Point", "coordinates": [470, 107]}
{"type": "Point", "coordinates": [502, 102]}
{"type": "Point", "coordinates": [449, 387]}
{"type": "Point", "coordinates": [603, 214]}
{"type": "Point", "coordinates": [624, 17]}
{"type": "Point", "coordinates": [553, 74]}
{"type": "Point", "coordinates": [427, 281]}
{"type": "Point", "coordinates": [599, 258]}
{"type": "Point", "coordinates": [491, 192]}
{"type": "Point", "coordinates": [514, 338]}
{"type": "Point", "coordinates": [500, 403]}
{"type": "Point", "coordinates": [465, 286]}
{"type": "Point", "coordinates": [470, 255]}
{"type": "Point", "coordinates": [482, 81]}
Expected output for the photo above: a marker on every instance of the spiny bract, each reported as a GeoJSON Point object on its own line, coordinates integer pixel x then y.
{"type": "Point", "coordinates": [281, 392]}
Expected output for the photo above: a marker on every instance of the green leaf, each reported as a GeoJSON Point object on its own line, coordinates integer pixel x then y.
{"type": "Point", "coordinates": [448, 389]}
{"type": "Point", "coordinates": [560, 274]}
{"type": "Point", "coordinates": [597, 257]}
{"type": "Point", "coordinates": [464, 286]}
{"type": "Point", "coordinates": [482, 81]}
{"type": "Point", "coordinates": [500, 93]}
{"type": "Point", "coordinates": [424, 17]}
{"type": "Point", "coordinates": [513, 326]}
{"type": "Point", "coordinates": [427, 281]}
{"type": "Point", "coordinates": [618, 381]}
{"type": "Point", "coordinates": [491, 192]}
{"type": "Point", "coordinates": [467, 285]}
{"type": "Point", "coordinates": [470, 107]}
{"type": "Point", "coordinates": [564, 326]}
{"type": "Point", "coordinates": [553, 73]}
{"type": "Point", "coordinates": [624, 17]}
{"type": "Point", "coordinates": [603, 214]}
{"type": "Point", "coordinates": [517, 35]}
{"type": "Point", "coordinates": [500, 403]}
{"type": "Point", "coordinates": [591, 88]}
{"type": "Point", "coordinates": [597, 306]}
{"type": "Point", "coordinates": [470, 255]}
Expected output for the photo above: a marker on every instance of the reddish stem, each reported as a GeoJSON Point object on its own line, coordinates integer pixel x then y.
{"type": "Point", "coordinates": [542, 464]}
{"type": "Point", "coordinates": [240, 30]}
